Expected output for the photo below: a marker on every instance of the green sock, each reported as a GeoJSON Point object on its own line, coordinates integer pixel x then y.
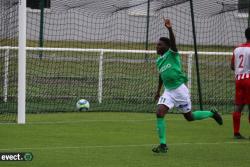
{"type": "Point", "coordinates": [161, 128]}
{"type": "Point", "coordinates": [198, 115]}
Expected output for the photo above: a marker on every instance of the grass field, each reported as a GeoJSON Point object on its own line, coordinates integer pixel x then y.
{"type": "Point", "coordinates": [123, 140]}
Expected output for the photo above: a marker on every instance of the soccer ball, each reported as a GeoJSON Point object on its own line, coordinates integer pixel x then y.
{"type": "Point", "coordinates": [82, 105]}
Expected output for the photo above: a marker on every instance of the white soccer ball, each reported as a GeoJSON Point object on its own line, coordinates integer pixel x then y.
{"type": "Point", "coordinates": [82, 105]}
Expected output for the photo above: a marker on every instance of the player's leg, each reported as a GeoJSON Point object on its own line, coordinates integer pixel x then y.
{"type": "Point", "coordinates": [249, 116]}
{"type": "Point", "coordinates": [160, 123]}
{"type": "Point", "coordinates": [236, 121]}
{"type": "Point", "coordinates": [199, 115]}
{"type": "Point", "coordinates": [161, 129]}
{"type": "Point", "coordinates": [240, 101]}
{"type": "Point", "coordinates": [164, 104]}
{"type": "Point", "coordinates": [188, 116]}
{"type": "Point", "coordinates": [249, 113]}
{"type": "Point", "coordinates": [183, 102]}
{"type": "Point", "coordinates": [248, 98]}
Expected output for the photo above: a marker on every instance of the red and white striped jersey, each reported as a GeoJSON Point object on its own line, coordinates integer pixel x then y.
{"type": "Point", "coordinates": [241, 60]}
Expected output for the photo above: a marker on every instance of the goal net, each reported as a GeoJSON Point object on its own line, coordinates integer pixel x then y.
{"type": "Point", "coordinates": [103, 51]}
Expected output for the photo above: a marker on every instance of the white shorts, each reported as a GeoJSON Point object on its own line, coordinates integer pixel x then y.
{"type": "Point", "coordinates": [179, 98]}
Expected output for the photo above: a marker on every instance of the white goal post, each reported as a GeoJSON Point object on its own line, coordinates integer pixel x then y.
{"type": "Point", "coordinates": [7, 54]}
{"type": "Point", "coordinates": [21, 61]}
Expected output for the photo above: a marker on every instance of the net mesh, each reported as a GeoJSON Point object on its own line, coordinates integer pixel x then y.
{"type": "Point", "coordinates": [57, 79]}
{"type": "Point", "coordinates": [8, 59]}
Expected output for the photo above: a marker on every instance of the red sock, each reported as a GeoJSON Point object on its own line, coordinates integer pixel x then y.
{"type": "Point", "coordinates": [236, 121]}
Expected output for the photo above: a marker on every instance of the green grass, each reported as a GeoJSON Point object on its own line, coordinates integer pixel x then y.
{"type": "Point", "coordinates": [123, 140]}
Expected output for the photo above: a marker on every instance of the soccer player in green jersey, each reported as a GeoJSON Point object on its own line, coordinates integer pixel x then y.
{"type": "Point", "coordinates": [176, 94]}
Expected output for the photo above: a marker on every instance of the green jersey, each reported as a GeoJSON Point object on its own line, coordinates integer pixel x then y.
{"type": "Point", "coordinates": [170, 69]}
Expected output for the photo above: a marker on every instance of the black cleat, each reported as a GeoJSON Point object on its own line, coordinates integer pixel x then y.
{"type": "Point", "coordinates": [217, 116]}
{"type": "Point", "coordinates": [162, 148]}
{"type": "Point", "coordinates": [238, 136]}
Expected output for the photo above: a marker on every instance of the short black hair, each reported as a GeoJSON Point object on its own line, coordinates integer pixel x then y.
{"type": "Point", "coordinates": [247, 33]}
{"type": "Point", "coordinates": [165, 40]}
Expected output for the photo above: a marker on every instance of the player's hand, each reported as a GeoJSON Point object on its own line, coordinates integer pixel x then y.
{"type": "Point", "coordinates": [167, 23]}
{"type": "Point", "coordinates": [157, 96]}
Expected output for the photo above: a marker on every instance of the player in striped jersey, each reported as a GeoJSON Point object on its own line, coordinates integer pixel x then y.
{"type": "Point", "coordinates": [241, 65]}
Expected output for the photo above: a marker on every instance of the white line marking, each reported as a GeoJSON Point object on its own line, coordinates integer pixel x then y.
{"type": "Point", "coordinates": [118, 146]}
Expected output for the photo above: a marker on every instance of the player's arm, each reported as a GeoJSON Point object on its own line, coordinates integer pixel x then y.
{"type": "Point", "coordinates": [232, 63]}
{"type": "Point", "coordinates": [168, 25]}
{"type": "Point", "coordinates": [159, 88]}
